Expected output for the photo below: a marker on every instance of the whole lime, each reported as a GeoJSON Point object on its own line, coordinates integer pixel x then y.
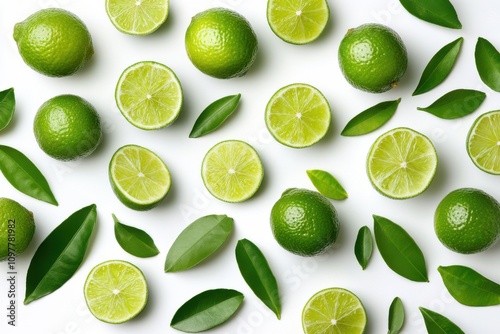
{"type": "Point", "coordinates": [54, 42]}
{"type": "Point", "coordinates": [304, 222]}
{"type": "Point", "coordinates": [372, 57]}
{"type": "Point", "coordinates": [67, 127]}
{"type": "Point", "coordinates": [467, 220]}
{"type": "Point", "coordinates": [17, 227]}
{"type": "Point", "coordinates": [221, 43]}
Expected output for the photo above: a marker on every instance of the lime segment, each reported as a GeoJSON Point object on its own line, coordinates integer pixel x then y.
{"type": "Point", "coordinates": [137, 17]}
{"type": "Point", "coordinates": [483, 142]}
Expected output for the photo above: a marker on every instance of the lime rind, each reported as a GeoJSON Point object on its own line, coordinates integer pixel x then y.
{"type": "Point", "coordinates": [483, 142]}
{"type": "Point", "coordinates": [137, 17]}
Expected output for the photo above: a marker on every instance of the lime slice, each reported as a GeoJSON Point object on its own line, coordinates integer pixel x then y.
{"type": "Point", "coordinates": [232, 171]}
{"type": "Point", "coordinates": [297, 21]}
{"type": "Point", "coordinates": [149, 95]}
{"type": "Point", "coordinates": [139, 178]}
{"type": "Point", "coordinates": [137, 17]}
{"type": "Point", "coordinates": [115, 291]}
{"type": "Point", "coordinates": [483, 142]}
{"type": "Point", "coordinates": [334, 311]}
{"type": "Point", "coordinates": [402, 163]}
{"type": "Point", "coordinates": [298, 115]}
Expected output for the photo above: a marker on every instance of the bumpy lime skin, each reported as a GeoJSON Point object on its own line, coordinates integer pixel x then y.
{"type": "Point", "coordinates": [17, 227]}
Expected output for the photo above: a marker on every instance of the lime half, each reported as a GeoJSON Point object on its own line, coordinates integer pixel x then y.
{"type": "Point", "coordinates": [298, 115]}
{"type": "Point", "coordinates": [137, 17]}
{"type": "Point", "coordinates": [139, 178]}
{"type": "Point", "coordinates": [297, 21]}
{"type": "Point", "coordinates": [483, 142]}
{"type": "Point", "coordinates": [115, 291]}
{"type": "Point", "coordinates": [334, 311]}
{"type": "Point", "coordinates": [402, 163]}
{"type": "Point", "coordinates": [149, 95]}
{"type": "Point", "coordinates": [232, 171]}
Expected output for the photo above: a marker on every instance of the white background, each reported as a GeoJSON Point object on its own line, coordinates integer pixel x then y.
{"type": "Point", "coordinates": [83, 182]}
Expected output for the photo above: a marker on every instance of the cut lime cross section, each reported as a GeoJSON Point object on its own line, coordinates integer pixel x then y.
{"type": "Point", "coordinates": [149, 95]}
{"type": "Point", "coordinates": [298, 115]}
{"type": "Point", "coordinates": [232, 171]}
{"type": "Point", "coordinates": [297, 21]}
{"type": "Point", "coordinates": [115, 291]}
{"type": "Point", "coordinates": [139, 178]}
{"type": "Point", "coordinates": [334, 311]}
{"type": "Point", "coordinates": [483, 142]}
{"type": "Point", "coordinates": [402, 163]}
{"type": "Point", "coordinates": [137, 17]}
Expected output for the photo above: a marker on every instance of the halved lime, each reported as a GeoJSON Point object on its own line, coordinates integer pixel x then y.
{"type": "Point", "coordinates": [232, 171]}
{"type": "Point", "coordinates": [483, 142]}
{"type": "Point", "coordinates": [298, 115]}
{"type": "Point", "coordinates": [334, 311]}
{"type": "Point", "coordinates": [402, 163]}
{"type": "Point", "coordinates": [139, 178]}
{"type": "Point", "coordinates": [149, 95]}
{"type": "Point", "coordinates": [297, 21]}
{"type": "Point", "coordinates": [137, 17]}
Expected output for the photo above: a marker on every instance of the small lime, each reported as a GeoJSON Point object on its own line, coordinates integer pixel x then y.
{"type": "Point", "coordinates": [17, 227]}
{"type": "Point", "coordinates": [137, 17]}
{"type": "Point", "coordinates": [483, 142]}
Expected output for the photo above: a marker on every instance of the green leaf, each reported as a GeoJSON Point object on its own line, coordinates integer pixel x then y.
{"type": "Point", "coordinates": [363, 247]}
{"type": "Point", "coordinates": [396, 316]}
{"type": "Point", "coordinates": [214, 115]}
{"type": "Point", "coordinates": [438, 324]}
{"type": "Point", "coordinates": [7, 107]}
{"type": "Point", "coordinates": [399, 251]}
{"type": "Point", "coordinates": [198, 241]}
{"type": "Point", "coordinates": [469, 287]}
{"type": "Point", "coordinates": [134, 241]}
{"type": "Point", "coordinates": [455, 104]}
{"type": "Point", "coordinates": [59, 256]}
{"type": "Point", "coordinates": [440, 12]}
{"type": "Point", "coordinates": [207, 310]}
{"type": "Point", "coordinates": [256, 271]}
{"type": "Point", "coordinates": [370, 119]}
{"type": "Point", "coordinates": [23, 175]}
{"type": "Point", "coordinates": [327, 184]}
{"type": "Point", "coordinates": [439, 67]}
{"type": "Point", "coordinates": [488, 63]}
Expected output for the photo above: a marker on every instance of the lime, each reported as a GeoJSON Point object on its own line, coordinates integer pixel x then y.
{"type": "Point", "coordinates": [483, 142]}
{"type": "Point", "coordinates": [137, 17]}
{"type": "Point", "coordinates": [402, 163]}
{"type": "Point", "coordinates": [372, 57]}
{"type": "Point", "coordinates": [298, 115]}
{"type": "Point", "coordinates": [115, 291]}
{"type": "Point", "coordinates": [467, 220]}
{"type": "Point", "coordinates": [17, 227]}
{"type": "Point", "coordinates": [54, 42]}
{"type": "Point", "coordinates": [297, 21]}
{"type": "Point", "coordinates": [232, 171]}
{"type": "Point", "coordinates": [149, 95]}
{"type": "Point", "coordinates": [221, 43]}
{"type": "Point", "coordinates": [304, 222]}
{"type": "Point", "coordinates": [67, 127]}
{"type": "Point", "coordinates": [334, 311]}
{"type": "Point", "coordinates": [139, 178]}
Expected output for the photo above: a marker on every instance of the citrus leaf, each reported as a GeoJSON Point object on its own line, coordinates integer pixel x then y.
{"type": "Point", "coordinates": [399, 251]}
{"type": "Point", "coordinates": [134, 241]}
{"type": "Point", "coordinates": [438, 324]}
{"type": "Point", "coordinates": [23, 175]}
{"type": "Point", "coordinates": [214, 115]}
{"type": "Point", "coordinates": [469, 287]}
{"type": "Point", "coordinates": [455, 104]}
{"type": "Point", "coordinates": [439, 67]}
{"type": "Point", "coordinates": [363, 247]}
{"type": "Point", "coordinates": [7, 107]}
{"type": "Point", "coordinates": [255, 270]}
{"type": "Point", "coordinates": [198, 241]}
{"type": "Point", "coordinates": [440, 12]}
{"type": "Point", "coordinates": [488, 63]}
{"type": "Point", "coordinates": [370, 119]}
{"type": "Point", "coordinates": [207, 310]}
{"type": "Point", "coordinates": [396, 316]}
{"type": "Point", "coordinates": [327, 184]}
{"type": "Point", "coordinates": [60, 254]}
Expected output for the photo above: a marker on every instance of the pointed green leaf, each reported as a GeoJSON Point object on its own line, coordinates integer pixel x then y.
{"type": "Point", "coordinates": [256, 271]}
{"type": "Point", "coordinates": [363, 247]}
{"type": "Point", "coordinates": [134, 241]}
{"type": "Point", "coordinates": [488, 63]}
{"type": "Point", "coordinates": [396, 316]}
{"type": "Point", "coordinates": [214, 115]}
{"type": "Point", "coordinates": [370, 119]}
{"type": "Point", "coordinates": [455, 104]}
{"type": "Point", "coordinates": [438, 324]}
{"type": "Point", "coordinates": [440, 12]}
{"type": "Point", "coordinates": [439, 67]}
{"type": "Point", "coordinates": [7, 107]}
{"type": "Point", "coordinates": [327, 184]}
{"type": "Point", "coordinates": [399, 251]}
